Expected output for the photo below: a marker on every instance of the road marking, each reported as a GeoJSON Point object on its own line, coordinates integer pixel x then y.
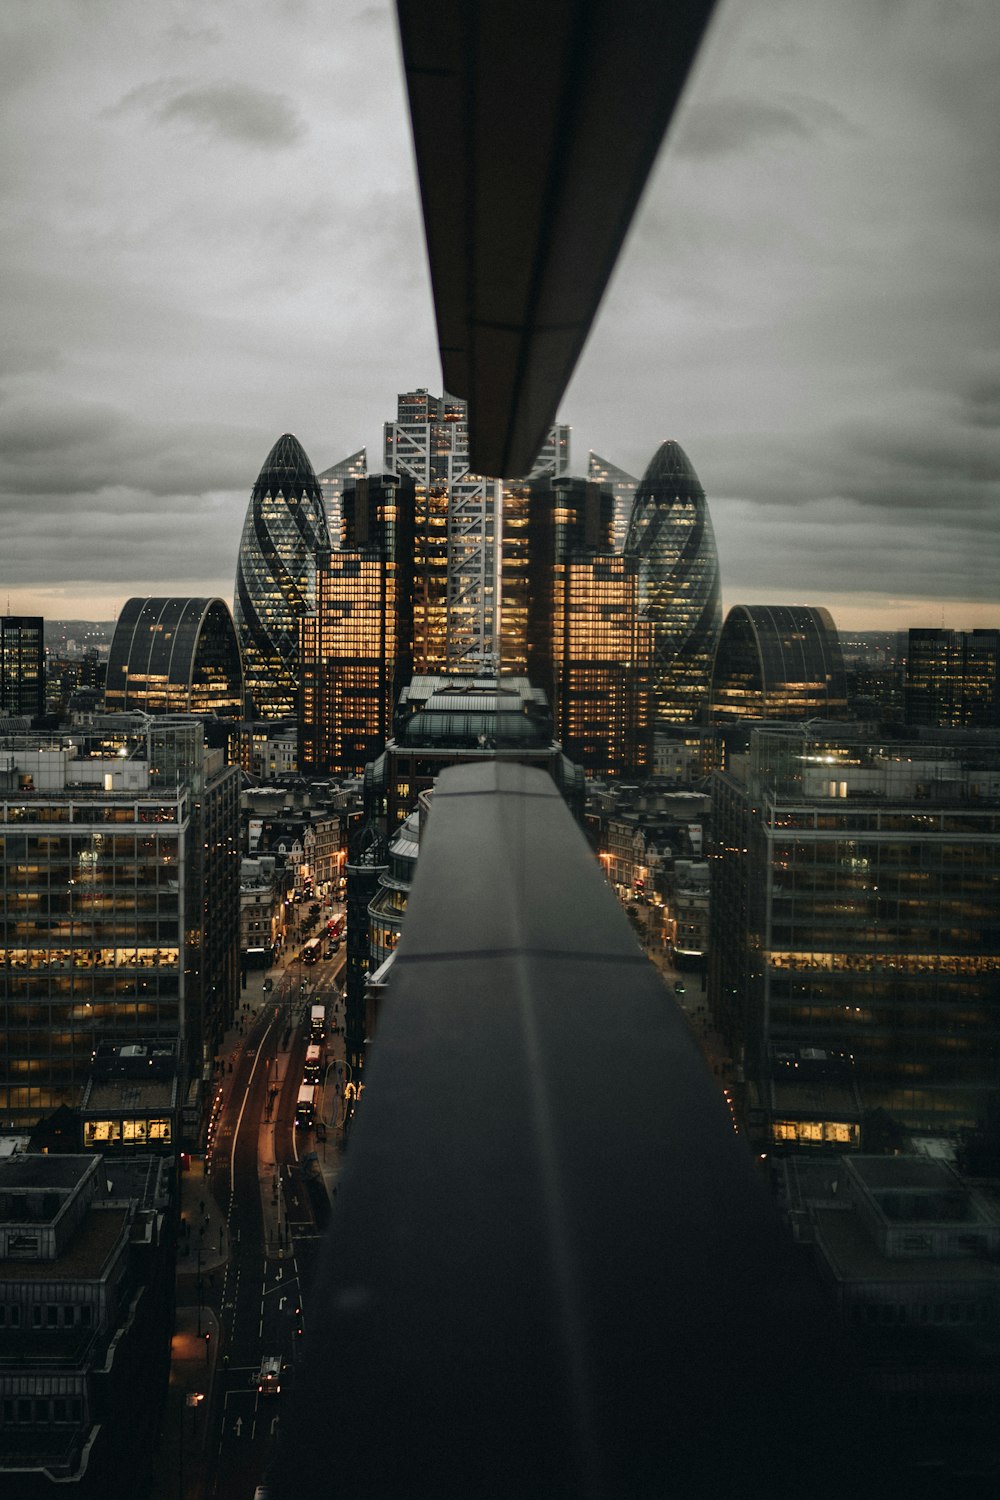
{"type": "Point", "coordinates": [238, 1427]}
{"type": "Point", "coordinates": [236, 1131]}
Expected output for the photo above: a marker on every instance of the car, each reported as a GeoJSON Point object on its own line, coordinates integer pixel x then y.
{"type": "Point", "coordinates": [331, 950]}
{"type": "Point", "coordinates": [335, 945]}
{"type": "Point", "coordinates": [679, 988]}
{"type": "Point", "coordinates": [269, 1376]}
{"type": "Point", "coordinates": [268, 986]}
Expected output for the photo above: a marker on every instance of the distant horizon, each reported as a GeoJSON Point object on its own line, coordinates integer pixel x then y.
{"type": "Point", "coordinates": [912, 623]}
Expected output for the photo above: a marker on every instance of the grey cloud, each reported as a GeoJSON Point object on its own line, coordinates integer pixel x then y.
{"type": "Point", "coordinates": [84, 450]}
{"type": "Point", "coordinates": [237, 112]}
{"type": "Point", "coordinates": [718, 127]}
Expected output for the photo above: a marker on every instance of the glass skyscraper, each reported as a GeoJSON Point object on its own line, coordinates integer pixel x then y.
{"type": "Point", "coordinates": [670, 533]}
{"type": "Point", "coordinates": [22, 665]}
{"type": "Point", "coordinates": [459, 518]}
{"type": "Point", "coordinates": [587, 647]}
{"type": "Point", "coordinates": [285, 528]}
{"type": "Point", "coordinates": [357, 649]}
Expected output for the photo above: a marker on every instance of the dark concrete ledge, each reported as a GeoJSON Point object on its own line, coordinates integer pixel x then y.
{"type": "Point", "coordinates": [551, 1269]}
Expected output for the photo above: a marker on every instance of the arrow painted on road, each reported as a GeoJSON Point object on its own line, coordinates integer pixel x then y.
{"type": "Point", "coordinates": [274, 1424]}
{"type": "Point", "coordinates": [281, 1303]}
{"type": "Point", "coordinates": [238, 1426]}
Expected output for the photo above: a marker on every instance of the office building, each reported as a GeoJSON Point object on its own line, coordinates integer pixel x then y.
{"type": "Point", "coordinates": [456, 613]}
{"type": "Point", "coordinates": [175, 656]}
{"type": "Point", "coordinates": [331, 482]}
{"type": "Point", "coordinates": [86, 1298]}
{"type": "Point", "coordinates": [284, 530]}
{"type": "Point", "coordinates": [777, 661]}
{"type": "Point", "coordinates": [854, 914]}
{"type": "Point", "coordinates": [120, 870]}
{"type": "Point", "coordinates": [670, 534]}
{"type": "Point", "coordinates": [623, 487]}
{"type": "Point", "coordinates": [22, 666]}
{"type": "Point", "coordinates": [952, 679]}
{"type": "Point", "coordinates": [358, 645]}
{"type": "Point", "coordinates": [587, 647]}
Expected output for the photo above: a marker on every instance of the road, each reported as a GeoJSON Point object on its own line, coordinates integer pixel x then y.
{"type": "Point", "coordinates": [273, 1234]}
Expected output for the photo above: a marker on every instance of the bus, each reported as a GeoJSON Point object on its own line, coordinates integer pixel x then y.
{"type": "Point", "coordinates": [311, 952]}
{"type": "Point", "coordinates": [335, 927]}
{"type": "Point", "coordinates": [317, 1023]}
{"type": "Point", "coordinates": [314, 1062]}
{"type": "Point", "coordinates": [305, 1107]}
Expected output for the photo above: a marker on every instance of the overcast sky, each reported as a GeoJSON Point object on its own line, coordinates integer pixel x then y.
{"type": "Point", "coordinates": [210, 236]}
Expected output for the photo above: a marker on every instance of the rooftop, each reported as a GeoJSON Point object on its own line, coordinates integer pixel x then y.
{"type": "Point", "coordinates": [83, 1259]}
{"type": "Point", "coordinates": [38, 1172]}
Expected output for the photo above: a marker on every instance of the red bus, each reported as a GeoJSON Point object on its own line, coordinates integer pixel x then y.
{"type": "Point", "coordinates": [335, 927]}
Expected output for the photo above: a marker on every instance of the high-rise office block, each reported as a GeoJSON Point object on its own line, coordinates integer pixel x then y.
{"type": "Point", "coordinates": [587, 646]}
{"type": "Point", "coordinates": [22, 665]}
{"type": "Point", "coordinates": [284, 530]}
{"type": "Point", "coordinates": [953, 679]}
{"type": "Point", "coordinates": [670, 534]}
{"type": "Point", "coordinates": [331, 482]}
{"type": "Point", "coordinates": [623, 487]}
{"type": "Point", "coordinates": [175, 656]}
{"type": "Point", "coordinates": [778, 661]}
{"type": "Point", "coordinates": [458, 520]}
{"type": "Point", "coordinates": [357, 647]}
{"type": "Point", "coordinates": [854, 915]}
{"type": "Point", "coordinates": [119, 865]}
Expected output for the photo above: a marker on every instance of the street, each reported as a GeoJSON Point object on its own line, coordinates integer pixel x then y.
{"type": "Point", "coordinates": [255, 1302]}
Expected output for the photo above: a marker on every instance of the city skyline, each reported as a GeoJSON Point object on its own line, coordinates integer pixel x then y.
{"type": "Point", "coordinates": [806, 303]}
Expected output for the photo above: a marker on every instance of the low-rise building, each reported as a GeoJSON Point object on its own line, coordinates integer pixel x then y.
{"type": "Point", "coordinates": [85, 1304]}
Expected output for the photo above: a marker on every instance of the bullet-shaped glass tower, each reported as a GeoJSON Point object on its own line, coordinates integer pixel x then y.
{"type": "Point", "coordinates": [670, 533]}
{"type": "Point", "coordinates": [285, 527]}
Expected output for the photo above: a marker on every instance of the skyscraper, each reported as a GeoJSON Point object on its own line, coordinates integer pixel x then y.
{"type": "Point", "coordinates": [670, 533]}
{"type": "Point", "coordinates": [953, 678]}
{"type": "Point", "coordinates": [587, 646]}
{"type": "Point", "coordinates": [285, 528]}
{"type": "Point", "coordinates": [623, 487]}
{"type": "Point", "coordinates": [22, 665]}
{"type": "Point", "coordinates": [332, 482]}
{"type": "Point", "coordinates": [458, 520]}
{"type": "Point", "coordinates": [357, 647]}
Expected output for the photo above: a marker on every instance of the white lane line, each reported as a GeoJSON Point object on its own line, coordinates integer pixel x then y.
{"type": "Point", "coordinates": [239, 1122]}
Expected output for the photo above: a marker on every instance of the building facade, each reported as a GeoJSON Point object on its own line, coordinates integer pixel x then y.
{"type": "Point", "coordinates": [331, 482]}
{"type": "Point", "coordinates": [285, 529]}
{"type": "Point", "coordinates": [670, 534]}
{"type": "Point", "coordinates": [854, 912]}
{"type": "Point", "coordinates": [119, 876]}
{"type": "Point", "coordinates": [623, 487]}
{"type": "Point", "coordinates": [778, 661]}
{"type": "Point", "coordinates": [175, 656]}
{"type": "Point", "coordinates": [952, 679]}
{"type": "Point", "coordinates": [458, 524]}
{"type": "Point", "coordinates": [86, 1292]}
{"type": "Point", "coordinates": [22, 665]}
{"type": "Point", "coordinates": [357, 647]}
{"type": "Point", "coordinates": [587, 647]}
